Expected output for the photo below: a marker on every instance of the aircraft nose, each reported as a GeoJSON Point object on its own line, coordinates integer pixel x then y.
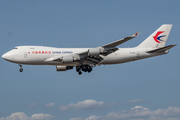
{"type": "Point", "coordinates": [7, 56]}
{"type": "Point", "coordinates": [4, 56]}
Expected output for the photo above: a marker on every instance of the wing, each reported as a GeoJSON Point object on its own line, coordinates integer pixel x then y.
{"type": "Point", "coordinates": [96, 56]}
{"type": "Point", "coordinates": [111, 47]}
{"type": "Point", "coordinates": [92, 56]}
{"type": "Point", "coordinates": [118, 42]}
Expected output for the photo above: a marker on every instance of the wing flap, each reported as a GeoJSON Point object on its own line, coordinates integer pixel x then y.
{"type": "Point", "coordinates": [109, 51]}
{"type": "Point", "coordinates": [94, 59]}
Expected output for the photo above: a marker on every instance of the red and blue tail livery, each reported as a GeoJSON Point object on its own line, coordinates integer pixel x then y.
{"type": "Point", "coordinates": [157, 38]}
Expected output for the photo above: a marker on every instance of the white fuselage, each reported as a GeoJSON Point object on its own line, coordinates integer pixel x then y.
{"type": "Point", "coordinates": [37, 55]}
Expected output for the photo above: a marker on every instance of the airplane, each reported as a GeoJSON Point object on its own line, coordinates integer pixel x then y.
{"type": "Point", "coordinates": [83, 59]}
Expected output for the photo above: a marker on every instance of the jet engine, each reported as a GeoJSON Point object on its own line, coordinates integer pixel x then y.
{"type": "Point", "coordinates": [63, 68]}
{"type": "Point", "coordinates": [94, 52]}
{"type": "Point", "coordinates": [67, 59]}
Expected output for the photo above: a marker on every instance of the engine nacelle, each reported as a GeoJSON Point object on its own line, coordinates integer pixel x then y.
{"type": "Point", "coordinates": [94, 51]}
{"type": "Point", "coordinates": [63, 68]}
{"type": "Point", "coordinates": [67, 59]}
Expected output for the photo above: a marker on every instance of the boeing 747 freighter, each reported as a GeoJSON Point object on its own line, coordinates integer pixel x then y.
{"type": "Point", "coordinates": [83, 59]}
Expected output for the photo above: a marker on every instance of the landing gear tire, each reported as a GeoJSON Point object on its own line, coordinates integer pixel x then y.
{"type": "Point", "coordinates": [20, 69]}
{"type": "Point", "coordinates": [84, 68]}
{"type": "Point", "coordinates": [77, 69]}
{"type": "Point", "coordinates": [79, 72]}
{"type": "Point", "coordinates": [89, 69]}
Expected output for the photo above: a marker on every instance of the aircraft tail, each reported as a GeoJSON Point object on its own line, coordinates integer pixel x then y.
{"type": "Point", "coordinates": [158, 38]}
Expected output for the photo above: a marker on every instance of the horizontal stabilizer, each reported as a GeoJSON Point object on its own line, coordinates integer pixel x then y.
{"type": "Point", "coordinates": [162, 49]}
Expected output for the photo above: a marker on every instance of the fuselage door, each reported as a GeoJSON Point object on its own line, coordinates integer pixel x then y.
{"type": "Point", "coordinates": [25, 54]}
{"type": "Point", "coordinates": [137, 54]}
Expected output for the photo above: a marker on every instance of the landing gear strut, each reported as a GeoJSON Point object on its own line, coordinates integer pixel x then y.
{"type": "Point", "coordinates": [84, 68]}
{"type": "Point", "coordinates": [21, 69]}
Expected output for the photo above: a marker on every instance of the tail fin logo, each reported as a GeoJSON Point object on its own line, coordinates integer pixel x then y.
{"type": "Point", "coordinates": [157, 38]}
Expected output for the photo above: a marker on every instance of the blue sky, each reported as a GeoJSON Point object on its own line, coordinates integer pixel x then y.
{"type": "Point", "coordinates": [146, 89]}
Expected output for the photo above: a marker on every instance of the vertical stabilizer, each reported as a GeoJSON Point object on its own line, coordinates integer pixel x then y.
{"type": "Point", "coordinates": [158, 38]}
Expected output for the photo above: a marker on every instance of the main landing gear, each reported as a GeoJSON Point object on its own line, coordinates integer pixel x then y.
{"type": "Point", "coordinates": [21, 69]}
{"type": "Point", "coordinates": [84, 68]}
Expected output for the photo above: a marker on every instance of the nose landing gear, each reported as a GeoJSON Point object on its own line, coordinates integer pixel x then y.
{"type": "Point", "coordinates": [21, 69]}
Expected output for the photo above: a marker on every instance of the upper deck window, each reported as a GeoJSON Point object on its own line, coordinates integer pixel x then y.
{"type": "Point", "coordinates": [15, 48]}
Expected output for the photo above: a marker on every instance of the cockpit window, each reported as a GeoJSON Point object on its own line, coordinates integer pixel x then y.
{"type": "Point", "coordinates": [15, 48]}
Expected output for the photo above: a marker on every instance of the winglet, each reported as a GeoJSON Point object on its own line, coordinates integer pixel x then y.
{"type": "Point", "coordinates": [135, 34]}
